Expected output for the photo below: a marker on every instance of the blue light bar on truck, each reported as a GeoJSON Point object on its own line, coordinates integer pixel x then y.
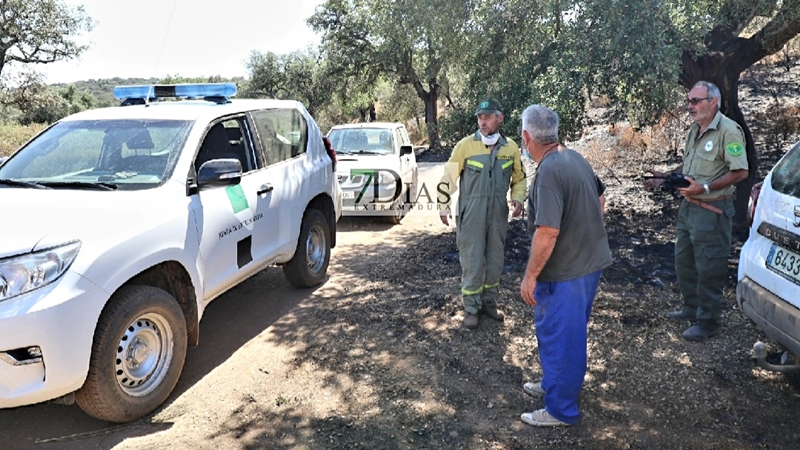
{"type": "Point", "coordinates": [141, 94]}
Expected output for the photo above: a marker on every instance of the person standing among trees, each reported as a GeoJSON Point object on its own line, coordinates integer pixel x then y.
{"type": "Point", "coordinates": [714, 161]}
{"type": "Point", "coordinates": [485, 164]}
{"type": "Point", "coordinates": [569, 249]}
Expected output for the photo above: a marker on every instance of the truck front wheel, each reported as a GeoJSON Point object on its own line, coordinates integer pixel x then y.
{"type": "Point", "coordinates": [137, 356]}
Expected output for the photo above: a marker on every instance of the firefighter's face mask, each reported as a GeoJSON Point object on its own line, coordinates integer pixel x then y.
{"type": "Point", "coordinates": [491, 139]}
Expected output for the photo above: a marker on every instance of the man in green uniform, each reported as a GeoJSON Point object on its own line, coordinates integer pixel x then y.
{"type": "Point", "coordinates": [485, 165]}
{"type": "Point", "coordinates": [714, 161]}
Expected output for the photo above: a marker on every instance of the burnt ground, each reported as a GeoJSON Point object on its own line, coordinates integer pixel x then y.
{"type": "Point", "coordinates": [646, 387]}
{"type": "Point", "coordinates": [436, 385]}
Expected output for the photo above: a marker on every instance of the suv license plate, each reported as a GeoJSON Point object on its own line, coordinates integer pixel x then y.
{"type": "Point", "coordinates": [348, 194]}
{"type": "Point", "coordinates": [784, 262]}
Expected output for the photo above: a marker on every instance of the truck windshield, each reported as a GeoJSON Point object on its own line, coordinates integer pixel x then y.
{"type": "Point", "coordinates": [130, 154]}
{"type": "Point", "coordinates": [362, 140]}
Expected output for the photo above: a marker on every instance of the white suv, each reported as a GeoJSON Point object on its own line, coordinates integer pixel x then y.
{"type": "Point", "coordinates": [769, 265]}
{"type": "Point", "coordinates": [377, 169]}
{"type": "Point", "coordinates": [121, 224]}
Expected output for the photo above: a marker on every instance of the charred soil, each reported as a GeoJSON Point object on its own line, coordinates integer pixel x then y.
{"type": "Point", "coordinates": [646, 387]}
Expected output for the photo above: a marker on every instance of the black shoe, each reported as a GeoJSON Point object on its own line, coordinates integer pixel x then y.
{"type": "Point", "coordinates": [681, 314]}
{"type": "Point", "coordinates": [470, 321]}
{"type": "Point", "coordinates": [491, 311]}
{"type": "Point", "coordinates": [699, 332]}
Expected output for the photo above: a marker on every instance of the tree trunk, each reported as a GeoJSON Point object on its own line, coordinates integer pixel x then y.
{"type": "Point", "coordinates": [432, 118]}
{"type": "Point", "coordinates": [431, 100]}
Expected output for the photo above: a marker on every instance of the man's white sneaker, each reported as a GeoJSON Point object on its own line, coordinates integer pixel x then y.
{"type": "Point", "coordinates": [534, 389]}
{"type": "Point", "coordinates": [542, 418]}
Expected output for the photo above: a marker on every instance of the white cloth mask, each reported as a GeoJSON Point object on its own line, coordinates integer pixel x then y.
{"type": "Point", "coordinates": [490, 140]}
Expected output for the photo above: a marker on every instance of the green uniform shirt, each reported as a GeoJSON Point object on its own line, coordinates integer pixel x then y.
{"type": "Point", "coordinates": [471, 146]}
{"type": "Point", "coordinates": [718, 151]}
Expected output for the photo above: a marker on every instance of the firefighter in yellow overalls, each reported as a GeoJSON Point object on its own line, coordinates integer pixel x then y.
{"type": "Point", "coordinates": [484, 165]}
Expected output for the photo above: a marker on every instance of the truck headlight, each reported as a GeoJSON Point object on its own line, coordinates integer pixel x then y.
{"type": "Point", "coordinates": [24, 273]}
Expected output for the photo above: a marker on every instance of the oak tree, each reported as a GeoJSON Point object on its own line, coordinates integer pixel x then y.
{"type": "Point", "coordinates": [40, 31]}
{"type": "Point", "coordinates": [414, 42]}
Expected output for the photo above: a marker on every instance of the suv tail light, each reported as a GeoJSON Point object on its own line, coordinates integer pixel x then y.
{"type": "Point", "coordinates": [751, 205]}
{"type": "Point", "coordinates": [331, 151]}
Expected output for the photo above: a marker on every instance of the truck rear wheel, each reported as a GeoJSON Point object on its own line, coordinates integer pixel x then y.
{"type": "Point", "coordinates": [309, 264]}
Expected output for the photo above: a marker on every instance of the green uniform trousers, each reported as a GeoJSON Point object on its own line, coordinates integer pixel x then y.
{"type": "Point", "coordinates": [702, 246]}
{"type": "Point", "coordinates": [481, 245]}
{"type": "Point", "coordinates": [481, 228]}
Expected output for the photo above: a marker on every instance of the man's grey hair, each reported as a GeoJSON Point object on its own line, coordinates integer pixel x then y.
{"type": "Point", "coordinates": [712, 89]}
{"type": "Point", "coordinates": [541, 123]}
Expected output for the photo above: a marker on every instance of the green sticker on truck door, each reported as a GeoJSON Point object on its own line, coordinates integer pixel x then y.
{"type": "Point", "coordinates": [237, 198]}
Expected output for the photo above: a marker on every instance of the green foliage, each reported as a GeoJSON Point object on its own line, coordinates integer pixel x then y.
{"type": "Point", "coordinates": [299, 75]}
{"type": "Point", "coordinates": [267, 77]}
{"type": "Point", "coordinates": [521, 56]}
{"type": "Point", "coordinates": [632, 52]}
{"type": "Point", "coordinates": [177, 79]}
{"type": "Point", "coordinates": [102, 91]}
{"type": "Point", "coordinates": [633, 55]}
{"type": "Point", "coordinates": [32, 101]}
{"type": "Point", "coordinates": [407, 60]}
{"type": "Point", "coordinates": [397, 102]}
{"type": "Point", "coordinates": [459, 121]}
{"type": "Point", "coordinates": [412, 42]}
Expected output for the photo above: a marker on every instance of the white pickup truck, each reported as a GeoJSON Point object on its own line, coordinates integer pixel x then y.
{"type": "Point", "coordinates": [121, 224]}
{"type": "Point", "coordinates": [377, 169]}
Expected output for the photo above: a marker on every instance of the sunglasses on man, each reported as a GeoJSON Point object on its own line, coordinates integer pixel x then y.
{"type": "Point", "coordinates": [695, 101]}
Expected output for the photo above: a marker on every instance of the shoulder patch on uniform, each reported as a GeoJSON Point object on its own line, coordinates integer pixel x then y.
{"type": "Point", "coordinates": [735, 148]}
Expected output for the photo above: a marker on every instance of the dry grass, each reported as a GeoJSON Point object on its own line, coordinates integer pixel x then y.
{"type": "Point", "coordinates": [600, 156]}
{"type": "Point", "coordinates": [12, 136]}
{"type": "Point", "coordinates": [779, 124]}
{"type": "Point", "coordinates": [786, 57]}
{"type": "Point", "coordinates": [622, 147]}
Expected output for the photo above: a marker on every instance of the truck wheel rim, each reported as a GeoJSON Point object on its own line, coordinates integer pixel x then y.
{"type": "Point", "coordinates": [144, 354]}
{"type": "Point", "coordinates": [315, 248]}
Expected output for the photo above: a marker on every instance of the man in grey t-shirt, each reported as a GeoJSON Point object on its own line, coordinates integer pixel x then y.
{"type": "Point", "coordinates": [569, 249]}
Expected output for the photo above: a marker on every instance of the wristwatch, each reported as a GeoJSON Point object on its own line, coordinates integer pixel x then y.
{"type": "Point", "coordinates": [705, 187]}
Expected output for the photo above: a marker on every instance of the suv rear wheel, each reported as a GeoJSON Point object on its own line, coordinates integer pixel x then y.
{"type": "Point", "coordinates": [309, 264]}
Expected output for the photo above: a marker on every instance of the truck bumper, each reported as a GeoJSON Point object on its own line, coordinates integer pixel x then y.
{"type": "Point", "coordinates": [778, 319]}
{"type": "Point", "coordinates": [46, 340]}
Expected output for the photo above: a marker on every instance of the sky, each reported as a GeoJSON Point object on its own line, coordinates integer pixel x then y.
{"type": "Point", "coordinates": [188, 38]}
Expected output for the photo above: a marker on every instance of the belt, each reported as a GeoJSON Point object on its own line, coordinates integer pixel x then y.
{"type": "Point", "coordinates": [705, 205]}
